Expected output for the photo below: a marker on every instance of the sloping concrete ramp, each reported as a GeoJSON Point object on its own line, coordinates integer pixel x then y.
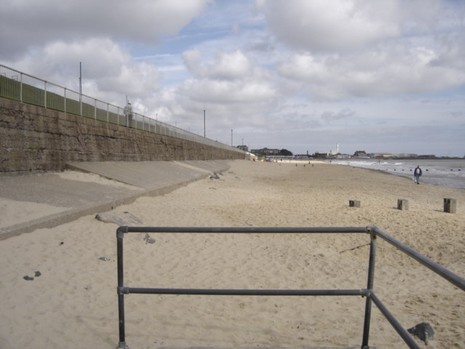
{"type": "Point", "coordinates": [50, 199]}
{"type": "Point", "coordinates": [152, 175]}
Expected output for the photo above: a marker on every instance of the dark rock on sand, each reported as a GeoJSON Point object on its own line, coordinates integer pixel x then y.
{"type": "Point", "coordinates": [423, 331]}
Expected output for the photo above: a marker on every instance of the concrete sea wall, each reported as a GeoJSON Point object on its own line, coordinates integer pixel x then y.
{"type": "Point", "coordinates": [33, 138]}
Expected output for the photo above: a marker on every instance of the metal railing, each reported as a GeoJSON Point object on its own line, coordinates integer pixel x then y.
{"type": "Point", "coordinates": [367, 292]}
{"type": "Point", "coordinates": [29, 89]}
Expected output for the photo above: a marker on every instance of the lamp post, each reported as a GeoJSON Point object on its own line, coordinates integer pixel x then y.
{"type": "Point", "coordinates": [80, 78]}
{"type": "Point", "coordinates": [80, 88]}
{"type": "Point", "coordinates": [204, 125]}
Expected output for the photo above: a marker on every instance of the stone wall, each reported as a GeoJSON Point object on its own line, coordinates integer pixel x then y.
{"type": "Point", "coordinates": [33, 138]}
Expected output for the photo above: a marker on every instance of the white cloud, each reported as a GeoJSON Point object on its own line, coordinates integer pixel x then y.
{"type": "Point", "coordinates": [331, 116]}
{"type": "Point", "coordinates": [230, 78]}
{"type": "Point", "coordinates": [227, 66]}
{"type": "Point", "coordinates": [193, 62]}
{"type": "Point", "coordinates": [231, 66]}
{"type": "Point", "coordinates": [38, 22]}
{"type": "Point", "coordinates": [234, 91]}
{"type": "Point", "coordinates": [332, 25]}
{"type": "Point", "coordinates": [108, 71]}
{"type": "Point", "coordinates": [341, 25]}
{"type": "Point", "coordinates": [222, 91]}
{"type": "Point", "coordinates": [382, 71]}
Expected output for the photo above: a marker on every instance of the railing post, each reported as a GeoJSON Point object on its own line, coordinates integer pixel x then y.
{"type": "Point", "coordinates": [371, 276]}
{"type": "Point", "coordinates": [119, 247]}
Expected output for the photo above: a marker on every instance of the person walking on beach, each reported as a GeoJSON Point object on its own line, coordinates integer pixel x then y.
{"type": "Point", "coordinates": [417, 174]}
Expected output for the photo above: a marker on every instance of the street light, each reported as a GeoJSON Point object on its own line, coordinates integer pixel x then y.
{"type": "Point", "coordinates": [204, 125]}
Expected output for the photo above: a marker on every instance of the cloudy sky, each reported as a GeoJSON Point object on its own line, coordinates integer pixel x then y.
{"type": "Point", "coordinates": [305, 75]}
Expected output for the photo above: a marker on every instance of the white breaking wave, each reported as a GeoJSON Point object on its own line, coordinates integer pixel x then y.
{"type": "Point", "coordinates": [447, 172]}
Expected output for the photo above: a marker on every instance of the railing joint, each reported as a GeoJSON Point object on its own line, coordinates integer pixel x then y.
{"type": "Point", "coordinates": [122, 345]}
{"type": "Point", "coordinates": [121, 231]}
{"type": "Point", "coordinates": [122, 290]}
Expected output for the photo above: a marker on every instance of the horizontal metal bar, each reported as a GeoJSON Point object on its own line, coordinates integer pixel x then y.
{"type": "Point", "coordinates": [247, 230]}
{"type": "Point", "coordinates": [392, 320]}
{"type": "Point", "coordinates": [241, 292]}
{"type": "Point", "coordinates": [437, 268]}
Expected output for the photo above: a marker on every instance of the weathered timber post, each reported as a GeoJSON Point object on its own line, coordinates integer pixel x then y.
{"type": "Point", "coordinates": [450, 205]}
{"type": "Point", "coordinates": [402, 204]}
{"type": "Point", "coordinates": [354, 203]}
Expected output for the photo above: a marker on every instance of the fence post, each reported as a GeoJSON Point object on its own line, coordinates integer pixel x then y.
{"type": "Point", "coordinates": [119, 247]}
{"type": "Point", "coordinates": [370, 282]}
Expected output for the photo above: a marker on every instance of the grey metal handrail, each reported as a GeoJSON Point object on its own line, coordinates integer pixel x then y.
{"type": "Point", "coordinates": [368, 292]}
{"type": "Point", "coordinates": [437, 268]}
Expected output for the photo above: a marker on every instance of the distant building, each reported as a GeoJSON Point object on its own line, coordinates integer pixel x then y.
{"type": "Point", "coordinates": [265, 151]}
{"type": "Point", "coordinates": [320, 155]}
{"type": "Point", "coordinates": [302, 156]}
{"type": "Point", "coordinates": [243, 147]}
{"type": "Point", "coordinates": [361, 154]}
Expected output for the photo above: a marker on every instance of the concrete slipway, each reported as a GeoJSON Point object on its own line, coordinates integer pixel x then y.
{"type": "Point", "coordinates": [73, 198]}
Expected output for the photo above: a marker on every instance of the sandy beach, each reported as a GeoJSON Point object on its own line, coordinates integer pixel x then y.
{"type": "Point", "coordinates": [58, 285]}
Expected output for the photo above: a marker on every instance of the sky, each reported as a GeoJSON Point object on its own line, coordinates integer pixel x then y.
{"type": "Point", "coordinates": [303, 75]}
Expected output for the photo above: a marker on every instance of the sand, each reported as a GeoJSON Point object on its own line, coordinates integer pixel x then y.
{"type": "Point", "coordinates": [72, 301]}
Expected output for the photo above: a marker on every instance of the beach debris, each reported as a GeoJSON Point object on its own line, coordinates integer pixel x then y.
{"type": "Point", "coordinates": [105, 259]}
{"type": "Point", "coordinates": [423, 331]}
{"type": "Point", "coordinates": [30, 278]}
{"type": "Point", "coordinates": [214, 176]}
{"type": "Point", "coordinates": [121, 219]}
{"type": "Point", "coordinates": [148, 239]}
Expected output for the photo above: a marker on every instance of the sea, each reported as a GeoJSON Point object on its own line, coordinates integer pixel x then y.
{"type": "Point", "coordinates": [446, 172]}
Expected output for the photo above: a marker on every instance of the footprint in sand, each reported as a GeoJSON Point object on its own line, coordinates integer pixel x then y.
{"type": "Point", "coordinates": [148, 239]}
